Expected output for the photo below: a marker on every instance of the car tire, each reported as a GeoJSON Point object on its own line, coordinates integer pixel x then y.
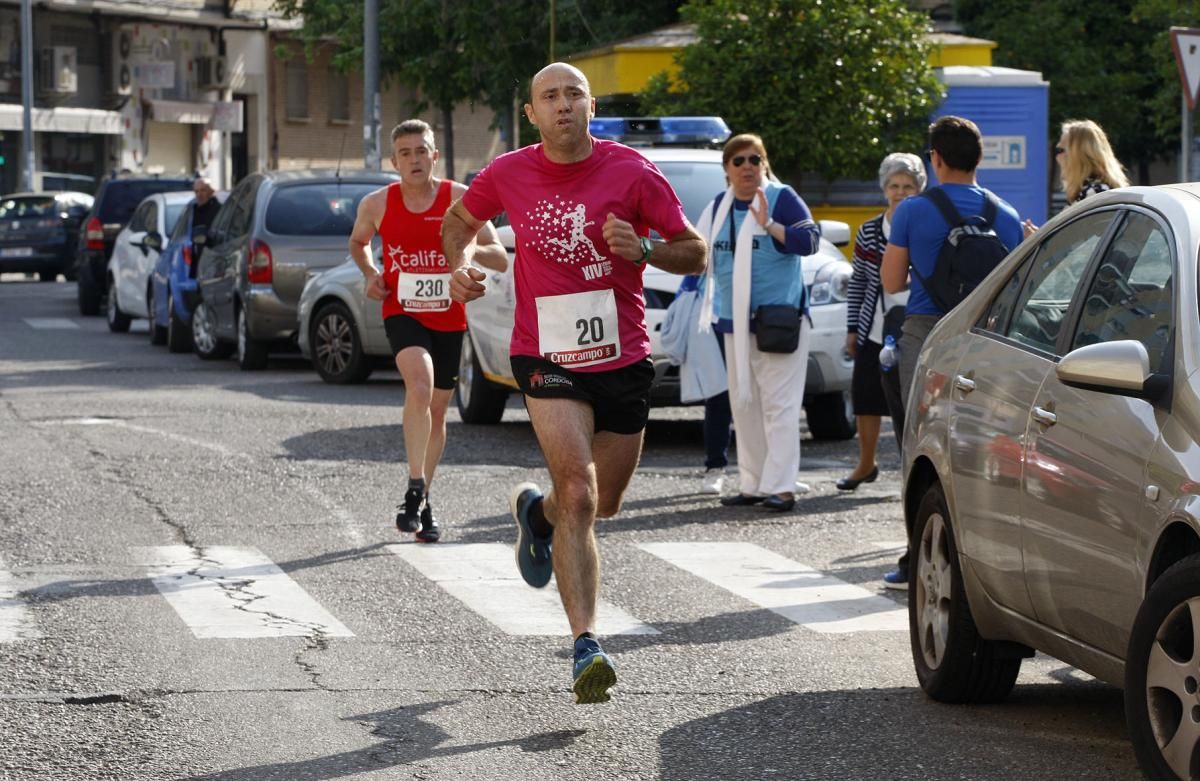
{"type": "Point", "coordinates": [337, 352]}
{"type": "Point", "coordinates": [251, 352]}
{"type": "Point", "coordinates": [118, 321]}
{"type": "Point", "coordinates": [179, 335]}
{"type": "Point", "coordinates": [831, 416]}
{"type": "Point", "coordinates": [479, 400]}
{"type": "Point", "coordinates": [1160, 704]}
{"type": "Point", "coordinates": [89, 294]}
{"type": "Point", "coordinates": [47, 276]}
{"type": "Point", "coordinates": [158, 333]}
{"type": "Point", "coordinates": [953, 663]}
{"type": "Point", "coordinates": [204, 335]}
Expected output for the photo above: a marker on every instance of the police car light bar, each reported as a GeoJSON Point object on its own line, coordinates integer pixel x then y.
{"type": "Point", "coordinates": [661, 131]}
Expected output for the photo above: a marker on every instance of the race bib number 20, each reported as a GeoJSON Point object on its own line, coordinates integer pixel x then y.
{"type": "Point", "coordinates": [579, 329]}
{"type": "Point", "coordinates": [424, 292]}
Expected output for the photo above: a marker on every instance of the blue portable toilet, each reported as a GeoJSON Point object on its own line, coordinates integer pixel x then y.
{"type": "Point", "coordinates": [1011, 109]}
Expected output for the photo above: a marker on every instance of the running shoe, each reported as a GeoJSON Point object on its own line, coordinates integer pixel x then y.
{"type": "Point", "coordinates": [594, 672]}
{"type": "Point", "coordinates": [713, 481]}
{"type": "Point", "coordinates": [896, 579]}
{"type": "Point", "coordinates": [533, 552]}
{"type": "Point", "coordinates": [429, 532]}
{"type": "Point", "coordinates": [409, 517]}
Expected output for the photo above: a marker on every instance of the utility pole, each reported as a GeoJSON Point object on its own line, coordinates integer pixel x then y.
{"type": "Point", "coordinates": [371, 109]}
{"type": "Point", "coordinates": [552, 31]}
{"type": "Point", "coordinates": [27, 94]}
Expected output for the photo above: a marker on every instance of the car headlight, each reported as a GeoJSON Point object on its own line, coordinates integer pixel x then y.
{"type": "Point", "coordinates": [831, 284]}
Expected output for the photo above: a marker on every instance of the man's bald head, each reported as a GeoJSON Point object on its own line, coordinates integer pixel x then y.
{"type": "Point", "coordinates": [555, 70]}
{"type": "Point", "coordinates": [203, 189]}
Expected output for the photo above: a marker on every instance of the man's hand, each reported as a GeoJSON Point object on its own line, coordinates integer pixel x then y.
{"type": "Point", "coordinates": [376, 288]}
{"type": "Point", "coordinates": [465, 284]}
{"type": "Point", "coordinates": [621, 238]}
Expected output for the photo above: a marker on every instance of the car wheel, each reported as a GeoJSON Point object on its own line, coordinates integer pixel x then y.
{"type": "Point", "coordinates": [831, 416]}
{"type": "Point", "coordinates": [954, 664]}
{"type": "Point", "coordinates": [179, 337]}
{"type": "Point", "coordinates": [251, 353]}
{"type": "Point", "coordinates": [479, 399]}
{"type": "Point", "coordinates": [118, 321]}
{"type": "Point", "coordinates": [47, 276]}
{"type": "Point", "coordinates": [337, 351]}
{"type": "Point", "coordinates": [204, 335]}
{"type": "Point", "coordinates": [1162, 675]}
{"type": "Point", "coordinates": [158, 333]}
{"type": "Point", "coordinates": [89, 294]}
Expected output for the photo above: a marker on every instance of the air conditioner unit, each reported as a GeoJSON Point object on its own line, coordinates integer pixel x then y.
{"type": "Point", "coordinates": [120, 68]}
{"type": "Point", "coordinates": [58, 70]}
{"type": "Point", "coordinates": [210, 73]}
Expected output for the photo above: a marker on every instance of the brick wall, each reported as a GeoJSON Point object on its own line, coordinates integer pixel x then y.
{"type": "Point", "coordinates": [314, 141]}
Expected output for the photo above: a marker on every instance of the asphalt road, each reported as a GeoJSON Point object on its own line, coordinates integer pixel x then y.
{"type": "Point", "coordinates": [200, 579]}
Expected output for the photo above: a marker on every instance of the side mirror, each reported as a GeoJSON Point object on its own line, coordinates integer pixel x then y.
{"type": "Point", "coordinates": [835, 232]}
{"type": "Point", "coordinates": [153, 241]}
{"type": "Point", "coordinates": [1121, 367]}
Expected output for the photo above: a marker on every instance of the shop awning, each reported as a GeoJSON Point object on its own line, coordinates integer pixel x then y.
{"type": "Point", "coordinates": [62, 120]}
{"type": "Point", "coordinates": [221, 115]}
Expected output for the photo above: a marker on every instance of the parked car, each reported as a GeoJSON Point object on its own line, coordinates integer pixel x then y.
{"type": "Point", "coordinates": [1052, 470]}
{"type": "Point", "coordinates": [115, 201]}
{"type": "Point", "coordinates": [38, 232]}
{"type": "Point", "coordinates": [173, 288]}
{"type": "Point", "coordinates": [135, 251]}
{"type": "Point", "coordinates": [273, 231]}
{"type": "Point", "coordinates": [342, 332]}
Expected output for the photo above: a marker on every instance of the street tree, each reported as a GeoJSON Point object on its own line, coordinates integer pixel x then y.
{"type": "Point", "coordinates": [830, 86]}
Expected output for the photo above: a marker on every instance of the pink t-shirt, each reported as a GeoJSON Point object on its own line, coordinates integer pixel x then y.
{"type": "Point", "coordinates": [558, 212]}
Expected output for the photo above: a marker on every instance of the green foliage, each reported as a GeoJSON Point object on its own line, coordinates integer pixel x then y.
{"type": "Point", "coordinates": [831, 85]}
{"type": "Point", "coordinates": [1110, 62]}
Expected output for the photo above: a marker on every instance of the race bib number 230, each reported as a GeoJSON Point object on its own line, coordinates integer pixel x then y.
{"type": "Point", "coordinates": [579, 329]}
{"type": "Point", "coordinates": [424, 292]}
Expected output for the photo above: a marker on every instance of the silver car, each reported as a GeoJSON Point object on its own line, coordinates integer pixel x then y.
{"type": "Point", "coordinates": [1052, 470]}
{"type": "Point", "coordinates": [273, 230]}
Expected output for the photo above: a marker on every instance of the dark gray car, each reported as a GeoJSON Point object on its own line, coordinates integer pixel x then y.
{"type": "Point", "coordinates": [274, 228]}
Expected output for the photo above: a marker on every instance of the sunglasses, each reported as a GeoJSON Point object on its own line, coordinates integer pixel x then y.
{"type": "Point", "coordinates": [755, 160]}
{"type": "Point", "coordinates": [1058, 150]}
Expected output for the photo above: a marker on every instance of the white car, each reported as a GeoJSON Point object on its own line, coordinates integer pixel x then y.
{"type": "Point", "coordinates": [135, 253]}
{"type": "Point", "coordinates": [485, 377]}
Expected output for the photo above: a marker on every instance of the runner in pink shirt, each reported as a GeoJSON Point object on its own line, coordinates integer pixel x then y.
{"type": "Point", "coordinates": [581, 209]}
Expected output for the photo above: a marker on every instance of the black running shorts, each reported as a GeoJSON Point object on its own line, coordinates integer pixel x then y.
{"type": "Point", "coordinates": [443, 347]}
{"type": "Point", "coordinates": [620, 398]}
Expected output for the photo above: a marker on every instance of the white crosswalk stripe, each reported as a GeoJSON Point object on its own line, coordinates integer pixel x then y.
{"type": "Point", "coordinates": [16, 622]}
{"type": "Point", "coordinates": [795, 591]}
{"type": "Point", "coordinates": [484, 577]}
{"type": "Point", "coordinates": [51, 323]}
{"type": "Point", "coordinates": [235, 593]}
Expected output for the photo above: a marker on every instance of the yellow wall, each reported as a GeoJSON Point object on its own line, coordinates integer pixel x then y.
{"type": "Point", "coordinates": [623, 71]}
{"type": "Point", "coordinates": [854, 216]}
{"type": "Point", "coordinates": [979, 54]}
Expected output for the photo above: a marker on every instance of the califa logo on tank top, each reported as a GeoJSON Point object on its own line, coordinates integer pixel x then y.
{"type": "Point", "coordinates": [399, 260]}
{"type": "Point", "coordinates": [558, 227]}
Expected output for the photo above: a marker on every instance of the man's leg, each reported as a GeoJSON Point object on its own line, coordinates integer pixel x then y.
{"type": "Point", "coordinates": [416, 368]}
{"type": "Point", "coordinates": [616, 457]}
{"type": "Point", "coordinates": [437, 431]}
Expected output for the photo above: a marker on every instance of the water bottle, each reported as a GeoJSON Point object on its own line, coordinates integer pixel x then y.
{"type": "Point", "coordinates": [889, 356]}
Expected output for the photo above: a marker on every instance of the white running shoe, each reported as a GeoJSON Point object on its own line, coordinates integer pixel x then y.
{"type": "Point", "coordinates": [713, 481]}
{"type": "Point", "coordinates": [802, 488]}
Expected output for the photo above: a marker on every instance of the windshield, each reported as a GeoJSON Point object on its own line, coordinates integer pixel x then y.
{"type": "Point", "coordinates": [16, 208]}
{"type": "Point", "coordinates": [121, 197]}
{"type": "Point", "coordinates": [695, 183]}
{"type": "Point", "coordinates": [173, 212]}
{"type": "Point", "coordinates": [316, 208]}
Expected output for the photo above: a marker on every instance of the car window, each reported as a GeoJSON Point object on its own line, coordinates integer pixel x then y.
{"type": "Point", "coordinates": [17, 208]}
{"type": "Point", "coordinates": [695, 183]}
{"type": "Point", "coordinates": [1130, 296]}
{"type": "Point", "coordinates": [1052, 279]}
{"type": "Point", "coordinates": [143, 218]}
{"type": "Point", "coordinates": [121, 197]}
{"type": "Point", "coordinates": [181, 223]}
{"type": "Point", "coordinates": [316, 208]}
{"type": "Point", "coordinates": [172, 213]}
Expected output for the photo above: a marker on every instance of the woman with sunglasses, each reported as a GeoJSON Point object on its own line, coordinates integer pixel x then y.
{"type": "Point", "coordinates": [1086, 161]}
{"type": "Point", "coordinates": [757, 231]}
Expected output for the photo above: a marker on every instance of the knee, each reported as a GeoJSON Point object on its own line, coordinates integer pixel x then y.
{"type": "Point", "coordinates": [437, 413]}
{"type": "Point", "coordinates": [418, 392]}
{"type": "Point", "coordinates": [607, 507]}
{"type": "Point", "coordinates": [575, 498]}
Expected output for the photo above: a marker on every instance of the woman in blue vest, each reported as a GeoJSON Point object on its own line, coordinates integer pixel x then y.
{"type": "Point", "coordinates": [757, 231]}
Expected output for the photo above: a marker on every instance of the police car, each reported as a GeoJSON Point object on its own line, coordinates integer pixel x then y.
{"type": "Point", "coordinates": [677, 146]}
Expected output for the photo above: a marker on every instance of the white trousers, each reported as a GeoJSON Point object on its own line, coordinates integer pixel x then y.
{"type": "Point", "coordinates": [767, 422]}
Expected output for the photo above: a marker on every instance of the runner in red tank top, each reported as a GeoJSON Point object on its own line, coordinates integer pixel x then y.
{"type": "Point", "coordinates": [424, 326]}
{"type": "Point", "coordinates": [581, 210]}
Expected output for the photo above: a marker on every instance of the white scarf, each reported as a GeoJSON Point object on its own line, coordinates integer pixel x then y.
{"type": "Point", "coordinates": [710, 226]}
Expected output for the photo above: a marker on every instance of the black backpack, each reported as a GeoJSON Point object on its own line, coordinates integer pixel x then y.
{"type": "Point", "coordinates": [970, 252]}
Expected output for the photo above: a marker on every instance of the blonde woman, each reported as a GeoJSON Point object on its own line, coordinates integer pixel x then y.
{"type": "Point", "coordinates": [1086, 161]}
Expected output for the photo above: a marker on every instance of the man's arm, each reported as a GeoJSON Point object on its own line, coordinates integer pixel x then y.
{"type": "Point", "coordinates": [485, 248]}
{"type": "Point", "coordinates": [893, 272]}
{"type": "Point", "coordinates": [459, 228]}
{"type": "Point", "coordinates": [684, 253]}
{"type": "Point", "coordinates": [366, 225]}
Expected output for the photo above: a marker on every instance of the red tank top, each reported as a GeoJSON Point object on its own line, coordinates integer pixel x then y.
{"type": "Point", "coordinates": [414, 268]}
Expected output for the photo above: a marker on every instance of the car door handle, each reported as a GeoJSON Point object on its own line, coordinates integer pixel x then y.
{"type": "Point", "coordinates": [964, 384]}
{"type": "Point", "coordinates": [1044, 416]}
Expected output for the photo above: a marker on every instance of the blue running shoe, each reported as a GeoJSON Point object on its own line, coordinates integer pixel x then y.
{"type": "Point", "coordinates": [594, 672]}
{"type": "Point", "coordinates": [533, 552]}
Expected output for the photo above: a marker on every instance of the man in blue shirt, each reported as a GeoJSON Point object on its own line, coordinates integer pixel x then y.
{"type": "Point", "coordinates": [918, 231]}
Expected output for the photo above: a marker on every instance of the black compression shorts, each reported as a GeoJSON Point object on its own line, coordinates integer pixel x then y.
{"type": "Point", "coordinates": [620, 398]}
{"type": "Point", "coordinates": [443, 347]}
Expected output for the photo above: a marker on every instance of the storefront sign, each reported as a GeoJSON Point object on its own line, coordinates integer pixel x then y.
{"type": "Point", "coordinates": [227, 116]}
{"type": "Point", "coordinates": [154, 75]}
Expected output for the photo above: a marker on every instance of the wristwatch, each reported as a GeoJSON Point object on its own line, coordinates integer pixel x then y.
{"type": "Point", "coordinates": [647, 248]}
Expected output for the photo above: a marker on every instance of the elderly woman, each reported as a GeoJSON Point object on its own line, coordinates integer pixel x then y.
{"type": "Point", "coordinates": [875, 392]}
{"type": "Point", "coordinates": [757, 230]}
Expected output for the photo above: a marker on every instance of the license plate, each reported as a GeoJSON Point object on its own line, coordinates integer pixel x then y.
{"type": "Point", "coordinates": [16, 252]}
